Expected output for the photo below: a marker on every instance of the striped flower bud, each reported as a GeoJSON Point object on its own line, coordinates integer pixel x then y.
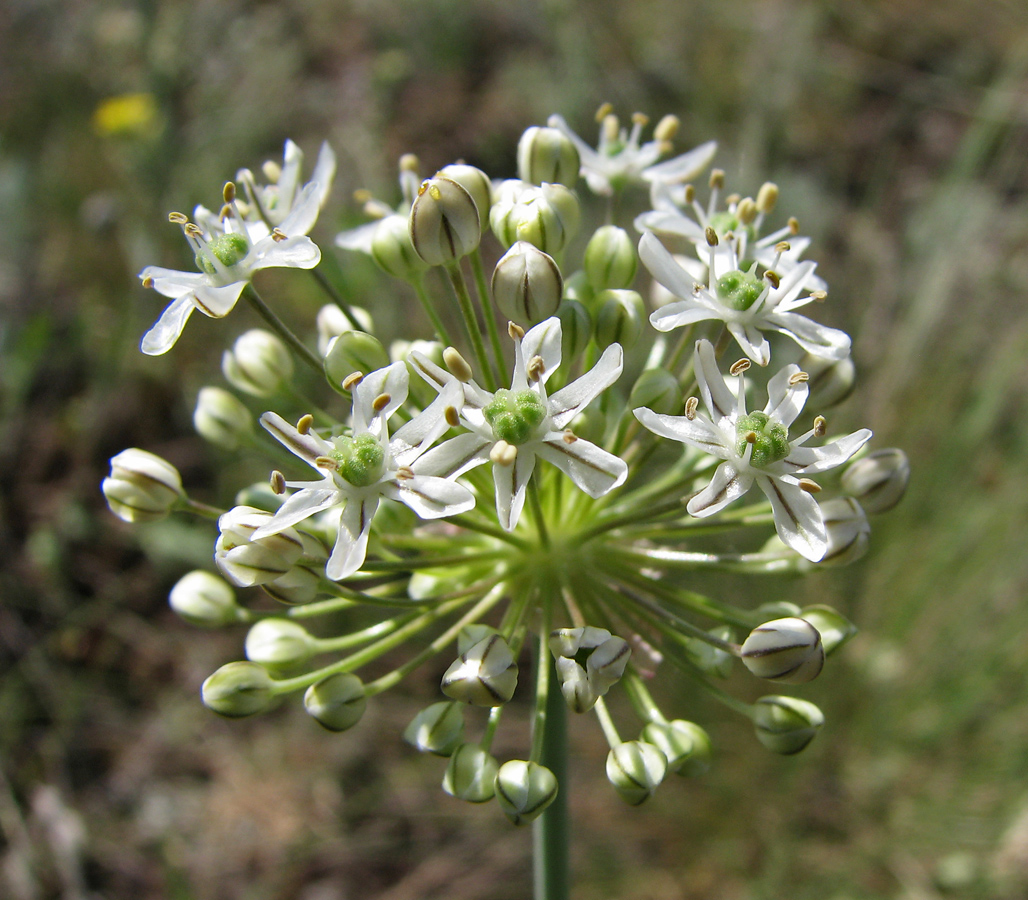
{"type": "Point", "coordinates": [657, 390]}
{"type": "Point", "coordinates": [606, 664]}
{"type": "Point", "coordinates": [835, 629]}
{"type": "Point", "coordinates": [878, 480]}
{"type": "Point", "coordinates": [475, 182]}
{"type": "Point", "coordinates": [786, 724]}
{"type": "Point", "coordinates": [576, 328]}
{"type": "Point", "coordinates": [142, 487]}
{"type": "Point", "coordinates": [354, 351]}
{"type": "Point", "coordinates": [787, 650]}
{"type": "Point", "coordinates": [547, 155]}
{"type": "Point", "coordinates": [279, 644]}
{"type": "Point", "coordinates": [238, 689]}
{"type": "Point", "coordinates": [619, 319]}
{"type": "Point", "coordinates": [610, 259]}
{"type": "Point", "coordinates": [527, 284]}
{"type": "Point", "coordinates": [578, 691]}
{"type": "Point", "coordinates": [444, 222]}
{"type": "Point", "coordinates": [524, 790]}
{"type": "Point", "coordinates": [297, 587]}
{"type": "Point", "coordinates": [484, 675]}
{"type": "Point", "coordinates": [222, 418]}
{"type": "Point", "coordinates": [246, 562]}
{"type": "Point", "coordinates": [635, 768]}
{"type": "Point", "coordinates": [392, 250]}
{"type": "Point", "coordinates": [258, 363]}
{"type": "Point", "coordinates": [685, 744]}
{"type": "Point", "coordinates": [849, 532]}
{"type": "Point", "coordinates": [437, 729]}
{"type": "Point", "coordinates": [546, 216]}
{"type": "Point", "coordinates": [472, 634]}
{"type": "Point", "coordinates": [204, 599]}
{"type": "Point", "coordinates": [336, 702]}
{"type": "Point", "coordinates": [471, 774]}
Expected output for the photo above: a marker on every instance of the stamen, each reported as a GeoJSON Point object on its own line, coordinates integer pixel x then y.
{"type": "Point", "coordinates": [362, 196]}
{"type": "Point", "coordinates": [747, 210]}
{"type": "Point", "coordinates": [750, 437]}
{"type": "Point", "coordinates": [381, 402]}
{"type": "Point", "coordinates": [640, 119]}
{"type": "Point", "coordinates": [691, 405]}
{"type": "Point", "coordinates": [798, 378]}
{"type": "Point", "coordinates": [515, 331]}
{"type": "Point", "coordinates": [820, 426]}
{"type": "Point", "coordinates": [772, 276]}
{"type": "Point", "coordinates": [272, 171]}
{"type": "Point", "coordinates": [409, 163]}
{"type": "Point", "coordinates": [811, 487]}
{"type": "Point", "coordinates": [404, 473]}
{"type": "Point", "coordinates": [326, 462]}
{"type": "Point", "coordinates": [717, 179]}
{"type": "Point", "coordinates": [193, 230]}
{"type": "Point", "coordinates": [690, 194]}
{"type": "Point", "coordinates": [794, 225]}
{"type": "Point", "coordinates": [783, 247]}
{"type": "Point", "coordinates": [177, 218]}
{"type": "Point", "coordinates": [451, 416]}
{"type": "Point", "coordinates": [767, 197]}
{"type": "Point", "coordinates": [229, 192]}
{"type": "Point", "coordinates": [535, 369]}
{"type": "Point", "coordinates": [609, 127]}
{"type": "Point", "coordinates": [278, 235]}
{"type": "Point", "coordinates": [738, 367]}
{"type": "Point", "coordinates": [711, 236]}
{"type": "Point", "coordinates": [819, 296]}
{"type": "Point", "coordinates": [304, 424]}
{"type": "Point", "coordinates": [733, 200]}
{"type": "Point", "coordinates": [225, 212]}
{"type": "Point", "coordinates": [569, 437]}
{"type": "Point", "coordinates": [278, 482]}
{"type": "Point", "coordinates": [148, 281]}
{"type": "Point", "coordinates": [352, 380]}
{"type": "Point", "coordinates": [605, 110]}
{"type": "Point", "coordinates": [457, 364]}
{"type": "Point", "coordinates": [666, 129]}
{"type": "Point", "coordinates": [503, 454]}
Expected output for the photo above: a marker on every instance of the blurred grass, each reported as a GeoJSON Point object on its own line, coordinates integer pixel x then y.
{"type": "Point", "coordinates": [899, 138]}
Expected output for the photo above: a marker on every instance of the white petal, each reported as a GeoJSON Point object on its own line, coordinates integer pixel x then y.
{"type": "Point", "coordinates": [752, 342]}
{"type": "Point", "coordinates": [720, 401]}
{"type": "Point", "coordinates": [431, 497]}
{"type": "Point", "coordinates": [358, 238]}
{"type": "Point", "coordinates": [302, 505]}
{"type": "Point", "coordinates": [543, 340]}
{"type": "Point", "coordinates": [162, 336]}
{"type": "Point", "coordinates": [292, 159]}
{"type": "Point", "coordinates": [307, 446]}
{"type": "Point", "coordinates": [815, 338]}
{"type": "Point", "coordinates": [784, 401]}
{"type": "Point", "coordinates": [684, 167]}
{"type": "Point", "coordinates": [798, 518]}
{"type": "Point", "coordinates": [591, 468]}
{"type": "Point", "coordinates": [415, 437]}
{"type": "Point", "coordinates": [173, 283]}
{"type": "Point", "coordinates": [812, 460]}
{"type": "Point", "coordinates": [727, 485]}
{"type": "Point", "coordinates": [298, 252]}
{"type": "Point", "coordinates": [455, 456]}
{"type": "Point", "coordinates": [699, 432]}
{"type": "Point", "coordinates": [668, 222]}
{"type": "Point", "coordinates": [324, 171]}
{"type": "Point", "coordinates": [511, 483]}
{"type": "Point", "coordinates": [217, 302]}
{"type": "Point", "coordinates": [435, 375]}
{"type": "Point", "coordinates": [570, 400]}
{"type": "Point", "coordinates": [791, 285]}
{"type": "Point", "coordinates": [676, 315]}
{"type": "Point", "coordinates": [663, 267]}
{"type": "Point", "coordinates": [392, 381]}
{"type": "Point", "coordinates": [351, 546]}
{"type": "Point", "coordinates": [304, 212]}
{"type": "Point", "coordinates": [586, 154]}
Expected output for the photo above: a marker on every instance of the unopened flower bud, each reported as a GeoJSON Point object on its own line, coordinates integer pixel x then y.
{"type": "Point", "coordinates": [246, 562]}
{"type": "Point", "coordinates": [786, 724]}
{"type": "Point", "coordinates": [524, 790]}
{"type": "Point", "coordinates": [475, 182]}
{"type": "Point", "coordinates": [546, 216]}
{"type": "Point", "coordinates": [142, 487]}
{"type": "Point", "coordinates": [709, 658]}
{"type": "Point", "coordinates": [606, 664]}
{"type": "Point", "coordinates": [354, 351]}
{"type": "Point", "coordinates": [849, 532]}
{"type": "Point", "coordinates": [568, 641]}
{"type": "Point", "coordinates": [332, 321]}
{"type": "Point", "coordinates": [437, 729]}
{"type": "Point", "coordinates": [296, 587]}
{"type": "Point", "coordinates": [336, 702]}
{"type": "Point", "coordinates": [279, 644]}
{"type": "Point", "coordinates": [787, 650]}
{"type": "Point", "coordinates": [635, 768]}
{"type": "Point", "coordinates": [484, 675]}
{"type": "Point", "coordinates": [222, 418]}
{"type": "Point", "coordinates": [610, 259]}
{"type": "Point", "coordinates": [578, 691]}
{"type": "Point", "coordinates": [547, 155]}
{"type": "Point", "coordinates": [473, 634]}
{"type": "Point", "coordinates": [620, 318]}
{"type": "Point", "coordinates": [444, 222]}
{"type": "Point", "coordinates": [657, 390]}
{"type": "Point", "coordinates": [830, 381]}
{"type": "Point", "coordinates": [471, 774]}
{"type": "Point", "coordinates": [878, 480]}
{"type": "Point", "coordinates": [527, 284]}
{"type": "Point", "coordinates": [201, 598]}
{"type": "Point", "coordinates": [685, 744]}
{"type": "Point", "coordinates": [392, 250]}
{"type": "Point", "coordinates": [835, 629]}
{"type": "Point", "coordinates": [238, 689]}
{"type": "Point", "coordinates": [577, 287]}
{"type": "Point", "coordinates": [258, 363]}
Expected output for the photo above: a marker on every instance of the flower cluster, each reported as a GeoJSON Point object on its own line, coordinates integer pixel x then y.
{"type": "Point", "coordinates": [433, 503]}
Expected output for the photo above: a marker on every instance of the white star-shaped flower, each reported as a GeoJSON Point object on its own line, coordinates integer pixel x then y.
{"type": "Point", "coordinates": [358, 469]}
{"type": "Point", "coordinates": [748, 305]}
{"type": "Point", "coordinates": [619, 159]}
{"type": "Point", "coordinates": [512, 428]}
{"type": "Point", "coordinates": [756, 448]}
{"type": "Point", "coordinates": [229, 250]}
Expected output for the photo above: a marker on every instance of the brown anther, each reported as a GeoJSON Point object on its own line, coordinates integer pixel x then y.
{"type": "Point", "coordinates": [819, 296]}
{"type": "Point", "coordinates": [148, 281]}
{"type": "Point", "coordinates": [404, 473]}
{"type": "Point", "coordinates": [794, 225]}
{"type": "Point", "coordinates": [811, 487]}
{"type": "Point", "coordinates": [225, 212]}
{"type": "Point", "coordinates": [750, 437]}
{"type": "Point", "coordinates": [515, 331]}
{"type": "Point", "coordinates": [457, 364]}
{"type": "Point", "coordinates": [229, 192]}
{"type": "Point", "coordinates": [691, 405]}
{"type": "Point", "coordinates": [798, 378]}
{"type": "Point", "coordinates": [381, 402]}
{"type": "Point", "coordinates": [569, 437]}
{"type": "Point", "coordinates": [605, 110]}
{"type": "Point", "coordinates": [177, 218]}
{"type": "Point", "coordinates": [503, 454]}
{"type": "Point", "coordinates": [326, 462]}
{"type": "Point", "coordinates": [304, 424]}
{"type": "Point", "coordinates": [535, 368]}
{"type": "Point", "coordinates": [783, 247]}
{"type": "Point", "coordinates": [278, 235]}
{"type": "Point", "coordinates": [352, 380]}
{"type": "Point", "coordinates": [690, 193]}
{"type": "Point", "coordinates": [362, 196]}
{"type": "Point", "coordinates": [451, 416]}
{"type": "Point", "coordinates": [278, 482]}
{"type": "Point", "coordinates": [820, 426]}
{"type": "Point", "coordinates": [711, 236]}
{"type": "Point", "coordinates": [772, 276]}
{"type": "Point", "coordinates": [409, 163]}
{"type": "Point", "coordinates": [739, 366]}
{"type": "Point", "coordinates": [733, 199]}
{"type": "Point", "coordinates": [717, 179]}
{"type": "Point", "coordinates": [641, 119]}
{"type": "Point", "coordinates": [192, 230]}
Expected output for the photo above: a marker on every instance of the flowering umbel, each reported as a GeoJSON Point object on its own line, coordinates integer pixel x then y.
{"type": "Point", "coordinates": [538, 533]}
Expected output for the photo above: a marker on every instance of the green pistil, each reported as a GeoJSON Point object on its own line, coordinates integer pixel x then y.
{"type": "Point", "coordinates": [772, 439]}
{"type": "Point", "coordinates": [723, 222]}
{"type": "Point", "coordinates": [228, 249]}
{"type": "Point", "coordinates": [514, 416]}
{"type": "Point", "coordinates": [739, 290]}
{"type": "Point", "coordinates": [360, 460]}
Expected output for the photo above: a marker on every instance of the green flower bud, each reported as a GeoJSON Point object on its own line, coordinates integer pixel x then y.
{"type": "Point", "coordinates": [787, 650]}
{"type": "Point", "coordinates": [354, 351]}
{"type": "Point", "coordinates": [392, 250]}
{"type": "Point", "coordinates": [437, 729]}
{"type": "Point", "coordinates": [297, 587]}
{"type": "Point", "coordinates": [547, 155]}
{"type": "Point", "coordinates": [569, 641]}
{"type": "Point", "coordinates": [279, 644]}
{"type": "Point", "coordinates": [578, 691]}
{"type": "Point", "coordinates": [576, 328]}
{"type": "Point", "coordinates": [776, 609]}
{"type": "Point", "coordinates": [332, 322]}
{"type": "Point", "coordinates": [238, 689]}
{"type": "Point", "coordinates": [849, 532]}
{"type": "Point", "coordinates": [142, 487]}
{"type": "Point", "coordinates": [577, 287]}
{"type": "Point", "coordinates": [620, 318]}
{"type": "Point", "coordinates": [444, 223]}
{"type": "Point", "coordinates": [527, 284]}
{"type": "Point", "coordinates": [685, 744]}
{"type": "Point", "coordinates": [835, 629]}
{"type": "Point", "coordinates": [610, 260]}
{"type": "Point", "coordinates": [484, 675]}
{"type": "Point", "coordinates": [606, 664]}
{"type": "Point", "coordinates": [831, 381]}
{"type": "Point", "coordinates": [635, 768]}
{"type": "Point", "coordinates": [475, 182]}
{"type": "Point", "coordinates": [246, 562]}
{"type": "Point", "coordinates": [546, 216]}
{"type": "Point", "coordinates": [472, 634]}
{"type": "Point", "coordinates": [878, 480]}
{"type": "Point", "coordinates": [471, 774]}
{"type": "Point", "coordinates": [785, 724]}
{"type": "Point", "coordinates": [709, 658]}
{"type": "Point", "coordinates": [258, 363]}
{"type": "Point", "coordinates": [203, 599]}
{"type": "Point", "coordinates": [221, 418]}
{"type": "Point", "coordinates": [524, 790]}
{"type": "Point", "coordinates": [658, 390]}
{"type": "Point", "coordinates": [336, 702]}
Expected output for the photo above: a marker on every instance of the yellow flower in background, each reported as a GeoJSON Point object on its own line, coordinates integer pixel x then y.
{"type": "Point", "coordinates": [126, 115]}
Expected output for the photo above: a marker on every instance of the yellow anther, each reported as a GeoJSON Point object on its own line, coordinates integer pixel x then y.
{"type": "Point", "coordinates": [404, 473]}
{"type": "Point", "coordinates": [605, 110]}
{"type": "Point", "coordinates": [794, 225]}
{"type": "Point", "coordinates": [746, 211]}
{"type": "Point", "coordinates": [611, 127]}
{"type": "Point", "coordinates": [148, 281]}
{"type": "Point", "coordinates": [272, 171]}
{"type": "Point", "coordinates": [515, 331]}
{"type": "Point", "coordinates": [326, 462]}
{"type": "Point", "coordinates": [362, 196]}
{"type": "Point", "coordinates": [381, 402]}
{"type": "Point", "coordinates": [767, 197]}
{"type": "Point", "coordinates": [783, 247]}
{"type": "Point", "coordinates": [178, 218]}
{"type": "Point", "coordinates": [798, 378]}
{"type": "Point", "coordinates": [451, 416]}
{"type": "Point", "coordinates": [192, 230]}
{"type": "Point", "coordinates": [820, 426]}
{"type": "Point", "coordinates": [225, 212]}
{"type": "Point", "coordinates": [457, 364]}
{"type": "Point", "coordinates": [278, 235]}
{"type": "Point", "coordinates": [732, 199]}
{"type": "Point", "coordinates": [304, 424]}
{"type": "Point", "coordinates": [750, 437]}
{"type": "Point", "coordinates": [691, 405]}
{"type": "Point", "coordinates": [772, 276]}
{"type": "Point", "coordinates": [739, 366]}
{"type": "Point", "coordinates": [352, 380]}
{"type": "Point", "coordinates": [229, 192]}
{"type": "Point", "coordinates": [690, 193]}
{"type": "Point", "coordinates": [818, 296]}
{"type": "Point", "coordinates": [711, 236]}
{"type": "Point", "coordinates": [811, 487]}
{"type": "Point", "coordinates": [640, 119]}
{"type": "Point", "coordinates": [569, 437]}
{"type": "Point", "coordinates": [503, 454]}
{"type": "Point", "coordinates": [278, 482]}
{"type": "Point", "coordinates": [717, 179]}
{"type": "Point", "coordinates": [535, 368]}
{"type": "Point", "coordinates": [667, 128]}
{"type": "Point", "coordinates": [409, 163]}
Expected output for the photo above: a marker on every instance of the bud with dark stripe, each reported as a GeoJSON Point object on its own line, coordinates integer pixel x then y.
{"type": "Point", "coordinates": [524, 789]}
{"type": "Point", "coordinates": [444, 222]}
{"type": "Point", "coordinates": [484, 675]}
{"type": "Point", "coordinates": [786, 724]}
{"type": "Point", "coordinates": [787, 650]}
{"type": "Point", "coordinates": [527, 284]}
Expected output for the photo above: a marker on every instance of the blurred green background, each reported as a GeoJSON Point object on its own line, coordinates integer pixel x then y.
{"type": "Point", "coordinates": [898, 132]}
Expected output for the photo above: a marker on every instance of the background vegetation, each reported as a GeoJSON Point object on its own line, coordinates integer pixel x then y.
{"type": "Point", "coordinates": [898, 132]}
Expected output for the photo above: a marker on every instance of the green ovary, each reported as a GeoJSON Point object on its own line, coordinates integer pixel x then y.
{"type": "Point", "coordinates": [772, 441]}
{"type": "Point", "coordinates": [360, 460]}
{"type": "Point", "coordinates": [228, 249]}
{"type": "Point", "coordinates": [739, 290]}
{"type": "Point", "coordinates": [514, 416]}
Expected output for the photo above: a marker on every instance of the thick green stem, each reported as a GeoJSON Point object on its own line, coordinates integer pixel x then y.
{"type": "Point", "coordinates": [485, 300]}
{"type": "Point", "coordinates": [283, 330]}
{"type": "Point", "coordinates": [551, 832]}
